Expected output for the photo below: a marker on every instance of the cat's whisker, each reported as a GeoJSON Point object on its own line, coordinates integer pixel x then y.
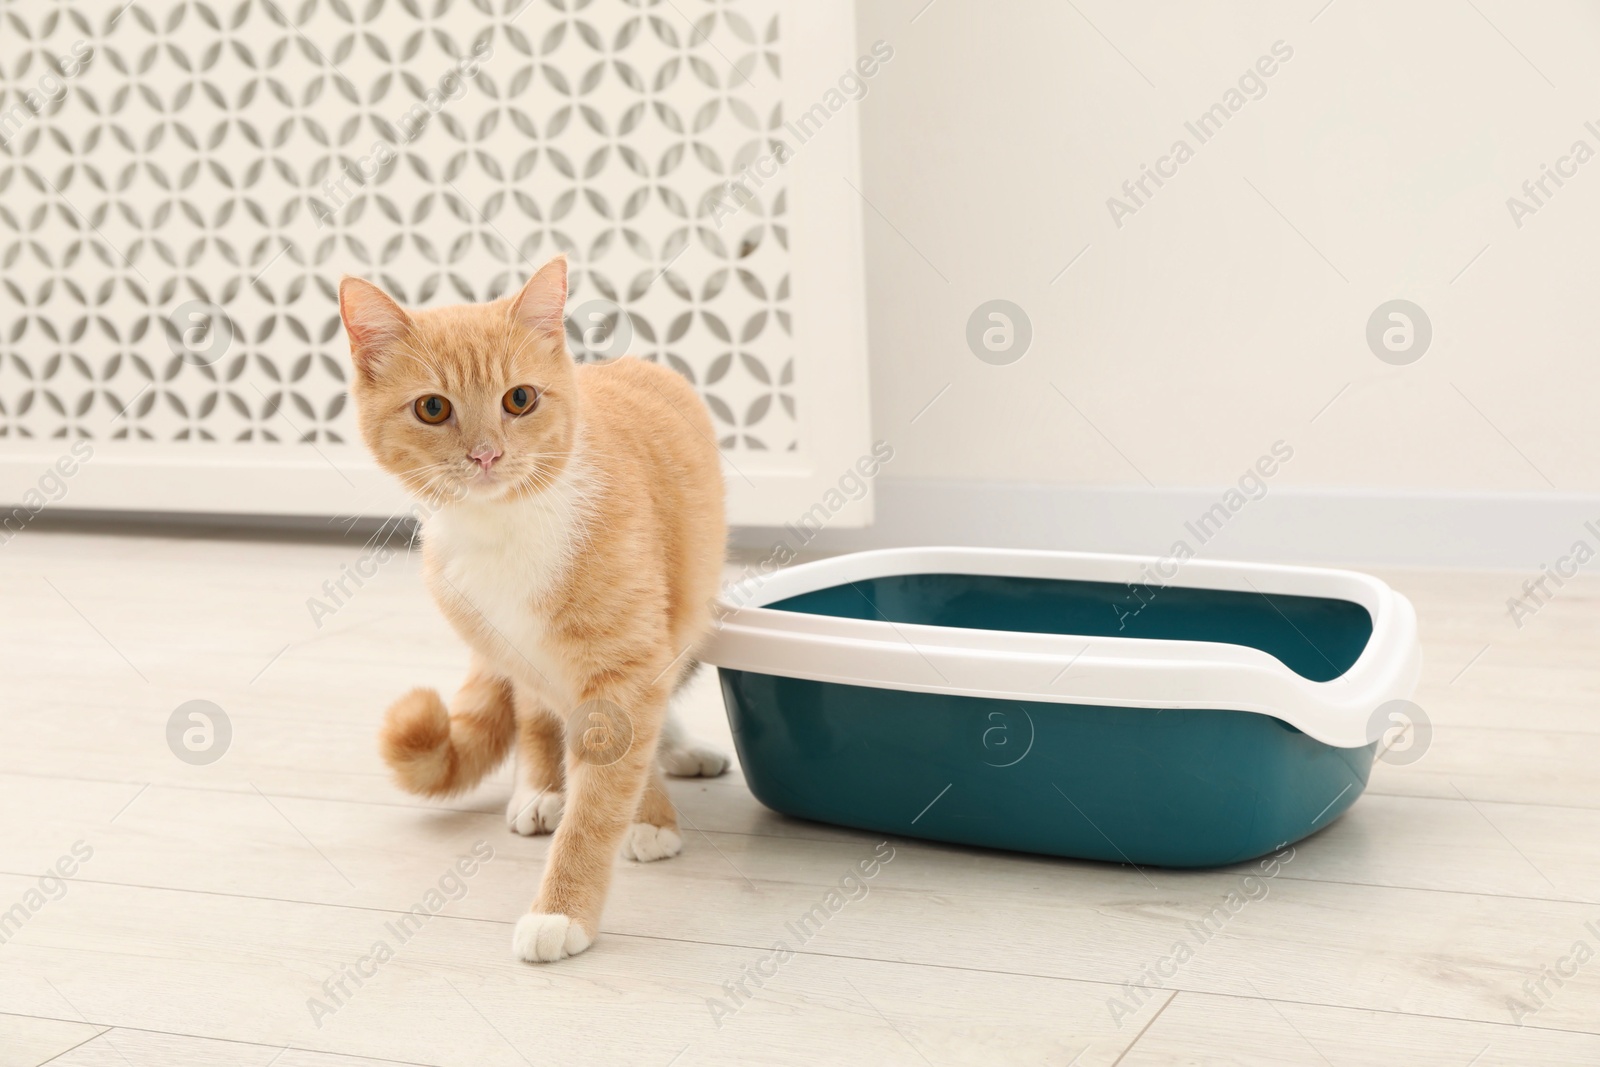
{"type": "Point", "coordinates": [424, 479]}
{"type": "Point", "coordinates": [429, 367]}
{"type": "Point", "coordinates": [382, 526]}
{"type": "Point", "coordinates": [428, 491]}
{"type": "Point", "coordinates": [529, 338]}
{"type": "Point", "coordinates": [423, 467]}
{"type": "Point", "coordinates": [434, 353]}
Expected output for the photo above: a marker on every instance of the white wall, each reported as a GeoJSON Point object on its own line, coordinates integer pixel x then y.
{"type": "Point", "coordinates": [1206, 327]}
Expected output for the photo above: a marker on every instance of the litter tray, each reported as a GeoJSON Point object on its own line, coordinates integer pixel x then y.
{"type": "Point", "coordinates": [1064, 703]}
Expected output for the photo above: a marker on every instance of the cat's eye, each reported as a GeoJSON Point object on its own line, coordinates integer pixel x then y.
{"type": "Point", "coordinates": [520, 399]}
{"type": "Point", "coordinates": [432, 409]}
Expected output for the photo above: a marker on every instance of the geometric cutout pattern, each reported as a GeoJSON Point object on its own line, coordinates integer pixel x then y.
{"type": "Point", "coordinates": [182, 182]}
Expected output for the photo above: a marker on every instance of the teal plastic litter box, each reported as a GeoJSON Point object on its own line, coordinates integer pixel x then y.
{"type": "Point", "coordinates": [1064, 703]}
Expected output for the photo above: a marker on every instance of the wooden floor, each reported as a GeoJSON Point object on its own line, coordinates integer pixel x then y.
{"type": "Point", "coordinates": [218, 899]}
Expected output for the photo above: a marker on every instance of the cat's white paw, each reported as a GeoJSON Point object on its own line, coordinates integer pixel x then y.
{"type": "Point", "coordinates": [532, 811]}
{"type": "Point", "coordinates": [692, 760]}
{"type": "Point", "coordinates": [544, 938]}
{"type": "Point", "coordinates": [644, 843]}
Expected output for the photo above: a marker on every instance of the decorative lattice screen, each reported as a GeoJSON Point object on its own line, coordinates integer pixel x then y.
{"type": "Point", "coordinates": [181, 184]}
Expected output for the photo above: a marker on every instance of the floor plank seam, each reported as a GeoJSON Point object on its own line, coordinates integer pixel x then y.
{"type": "Point", "coordinates": [1299, 879]}
{"type": "Point", "coordinates": [1302, 879]}
{"type": "Point", "coordinates": [1145, 1029]}
{"type": "Point", "coordinates": [107, 1028]}
{"type": "Point", "coordinates": [92, 1037]}
{"type": "Point", "coordinates": [1371, 791]}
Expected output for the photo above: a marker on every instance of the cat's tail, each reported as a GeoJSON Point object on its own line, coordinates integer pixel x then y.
{"type": "Point", "coordinates": [435, 752]}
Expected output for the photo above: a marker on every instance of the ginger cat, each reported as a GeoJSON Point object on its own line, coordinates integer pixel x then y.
{"type": "Point", "coordinates": [576, 542]}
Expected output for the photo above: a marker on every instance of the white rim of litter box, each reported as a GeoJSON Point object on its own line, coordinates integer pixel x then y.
{"type": "Point", "coordinates": [1070, 669]}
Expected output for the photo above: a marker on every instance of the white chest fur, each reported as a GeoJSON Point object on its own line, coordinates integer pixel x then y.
{"type": "Point", "coordinates": [498, 561]}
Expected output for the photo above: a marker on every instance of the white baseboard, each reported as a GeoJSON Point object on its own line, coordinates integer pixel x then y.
{"type": "Point", "coordinates": [1348, 527]}
{"type": "Point", "coordinates": [1318, 526]}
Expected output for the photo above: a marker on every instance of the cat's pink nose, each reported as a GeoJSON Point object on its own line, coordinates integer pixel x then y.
{"type": "Point", "coordinates": [485, 455]}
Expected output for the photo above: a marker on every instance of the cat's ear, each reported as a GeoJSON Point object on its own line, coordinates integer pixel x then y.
{"type": "Point", "coordinates": [541, 306]}
{"type": "Point", "coordinates": [372, 320]}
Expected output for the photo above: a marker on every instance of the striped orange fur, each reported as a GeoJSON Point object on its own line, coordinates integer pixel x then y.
{"type": "Point", "coordinates": [575, 546]}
